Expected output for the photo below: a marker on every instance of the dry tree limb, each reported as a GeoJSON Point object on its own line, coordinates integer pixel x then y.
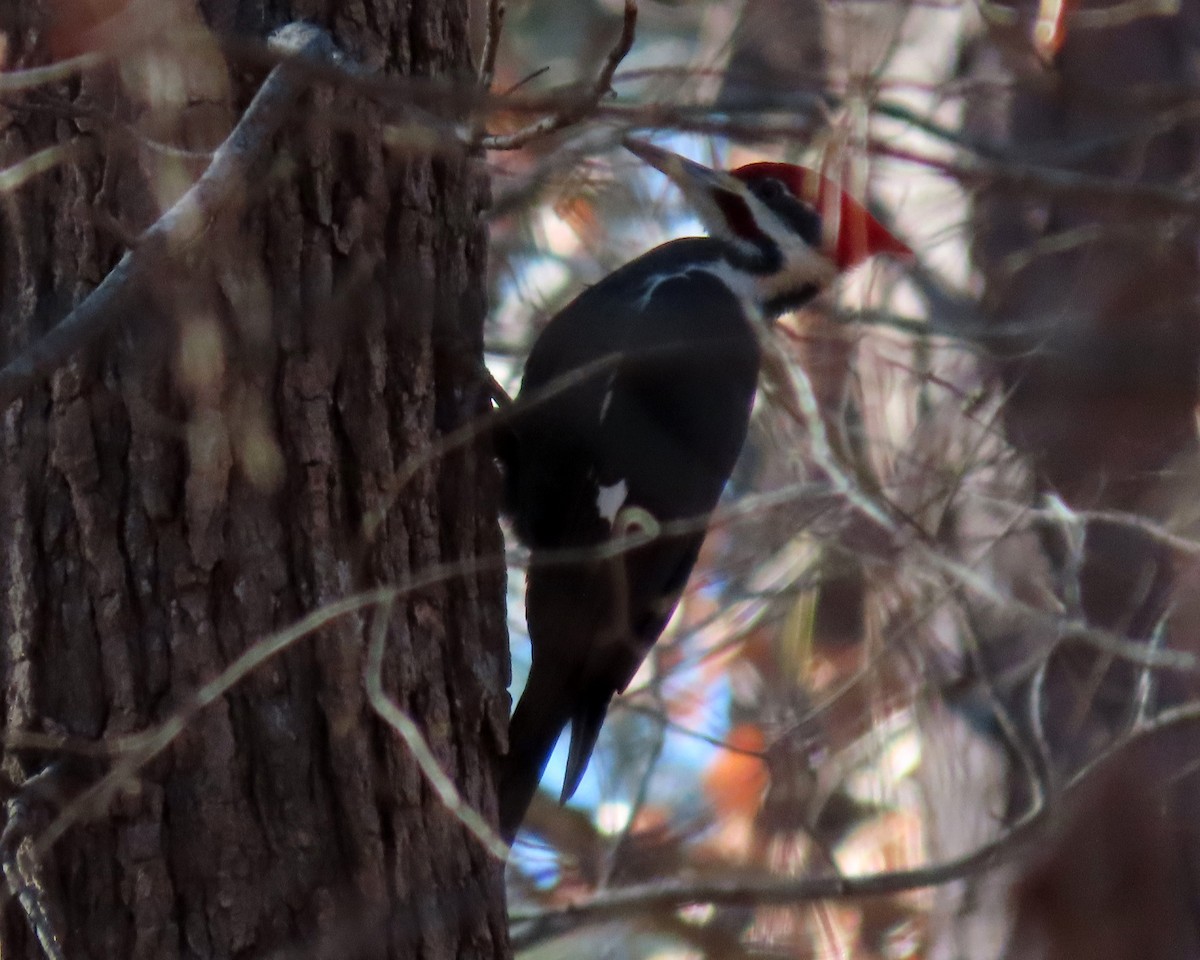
{"type": "Point", "coordinates": [565, 156]}
{"type": "Point", "coordinates": [14, 177]}
{"type": "Point", "coordinates": [580, 107]}
{"type": "Point", "coordinates": [136, 750]}
{"type": "Point", "coordinates": [506, 409]}
{"type": "Point", "coordinates": [183, 227]}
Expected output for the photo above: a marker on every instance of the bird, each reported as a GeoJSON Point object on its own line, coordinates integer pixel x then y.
{"type": "Point", "coordinates": [632, 411]}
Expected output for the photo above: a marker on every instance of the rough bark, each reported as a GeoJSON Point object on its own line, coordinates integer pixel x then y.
{"type": "Point", "coordinates": [200, 480]}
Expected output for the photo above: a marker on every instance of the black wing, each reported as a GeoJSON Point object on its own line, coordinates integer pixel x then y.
{"type": "Point", "coordinates": [649, 377]}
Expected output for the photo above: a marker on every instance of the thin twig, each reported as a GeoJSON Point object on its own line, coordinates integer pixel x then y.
{"type": "Point", "coordinates": [18, 81]}
{"type": "Point", "coordinates": [572, 113]}
{"type": "Point", "coordinates": [1144, 525]}
{"type": "Point", "coordinates": [1035, 772]}
{"type": "Point", "coordinates": [565, 156]}
{"type": "Point", "coordinates": [809, 411]}
{"type": "Point", "coordinates": [1037, 720]}
{"type": "Point", "coordinates": [14, 177]}
{"type": "Point", "coordinates": [1132, 651]}
{"type": "Point", "coordinates": [491, 44]}
{"type": "Point", "coordinates": [410, 733]}
{"type": "Point", "coordinates": [506, 410]}
{"type": "Point", "coordinates": [107, 126]}
{"type": "Point", "coordinates": [982, 172]}
{"type": "Point", "coordinates": [612, 861]}
{"type": "Point", "coordinates": [1147, 684]}
{"type": "Point", "coordinates": [528, 78]}
{"type": "Point", "coordinates": [740, 890]}
{"type": "Point", "coordinates": [139, 749]}
{"type": "Point", "coordinates": [487, 64]}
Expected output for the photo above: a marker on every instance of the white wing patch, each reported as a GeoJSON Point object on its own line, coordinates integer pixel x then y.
{"type": "Point", "coordinates": [606, 402]}
{"type": "Point", "coordinates": [610, 500]}
{"type": "Point", "coordinates": [741, 284]}
{"type": "Point", "coordinates": [802, 265]}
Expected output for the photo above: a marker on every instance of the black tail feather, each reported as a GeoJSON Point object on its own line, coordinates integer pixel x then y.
{"type": "Point", "coordinates": [536, 724]}
{"type": "Point", "coordinates": [586, 722]}
{"type": "Point", "coordinates": [591, 625]}
{"type": "Point", "coordinates": [545, 708]}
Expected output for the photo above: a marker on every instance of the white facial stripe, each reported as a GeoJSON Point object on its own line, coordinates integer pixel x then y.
{"type": "Point", "coordinates": [802, 265]}
{"type": "Point", "coordinates": [610, 500]}
{"type": "Point", "coordinates": [700, 199]}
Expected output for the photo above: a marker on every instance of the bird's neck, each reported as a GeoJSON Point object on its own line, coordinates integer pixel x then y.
{"type": "Point", "coordinates": [768, 281]}
{"type": "Point", "coordinates": [774, 281]}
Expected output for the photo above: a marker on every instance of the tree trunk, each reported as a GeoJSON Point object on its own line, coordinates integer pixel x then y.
{"type": "Point", "coordinates": [201, 479]}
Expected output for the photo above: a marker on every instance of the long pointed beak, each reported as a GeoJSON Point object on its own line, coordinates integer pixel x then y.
{"type": "Point", "coordinates": [686, 174]}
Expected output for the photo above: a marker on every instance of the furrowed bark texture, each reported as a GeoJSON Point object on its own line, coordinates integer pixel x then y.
{"type": "Point", "coordinates": [200, 479]}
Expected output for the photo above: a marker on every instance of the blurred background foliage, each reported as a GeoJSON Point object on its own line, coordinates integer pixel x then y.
{"type": "Point", "coordinates": [920, 621]}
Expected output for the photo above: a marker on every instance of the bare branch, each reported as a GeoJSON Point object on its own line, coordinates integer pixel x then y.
{"type": "Point", "coordinates": [108, 126]}
{"type": "Point", "coordinates": [487, 63]}
{"type": "Point", "coordinates": [184, 226]}
{"type": "Point", "coordinates": [1147, 683]}
{"type": "Point", "coordinates": [574, 112]}
{"type": "Point", "coordinates": [1037, 722]}
{"type": "Point", "coordinates": [18, 81]}
{"type": "Point", "coordinates": [564, 157]}
{"type": "Point", "coordinates": [642, 794]}
{"type": "Point", "coordinates": [810, 415]}
{"type": "Point", "coordinates": [25, 871]}
{"type": "Point", "coordinates": [14, 177]}
{"type": "Point", "coordinates": [505, 411]}
{"type": "Point", "coordinates": [1035, 772]}
{"type": "Point", "coordinates": [1143, 525]}
{"type": "Point", "coordinates": [1133, 651]}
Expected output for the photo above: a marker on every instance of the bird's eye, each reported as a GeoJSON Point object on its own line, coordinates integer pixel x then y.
{"type": "Point", "coordinates": [772, 189]}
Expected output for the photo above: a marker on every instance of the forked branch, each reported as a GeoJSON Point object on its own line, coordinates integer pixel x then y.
{"type": "Point", "coordinates": [579, 108]}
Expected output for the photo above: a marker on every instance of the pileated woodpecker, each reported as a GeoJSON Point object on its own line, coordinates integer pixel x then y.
{"type": "Point", "coordinates": [648, 378]}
